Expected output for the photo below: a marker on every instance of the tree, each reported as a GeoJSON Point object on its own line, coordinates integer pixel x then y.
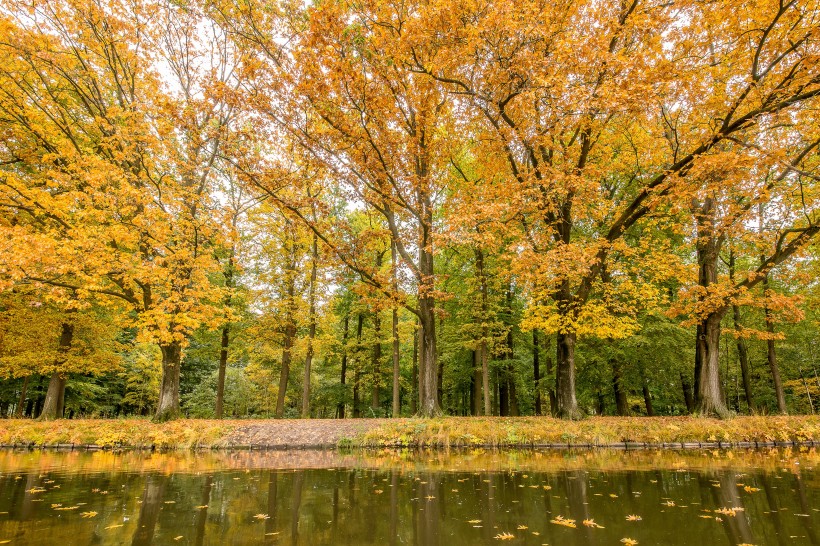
{"type": "Point", "coordinates": [576, 130]}
{"type": "Point", "coordinates": [108, 163]}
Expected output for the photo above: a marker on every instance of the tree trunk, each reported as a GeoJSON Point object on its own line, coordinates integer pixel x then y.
{"type": "Point", "coordinates": [708, 396]}
{"type": "Point", "coordinates": [287, 357]}
{"type": "Point", "coordinates": [440, 372]}
{"type": "Point", "coordinates": [743, 357]}
{"type": "Point", "coordinates": [357, 410]}
{"type": "Point", "coordinates": [548, 369]}
{"type": "Point", "coordinates": [223, 351]}
{"type": "Point", "coordinates": [688, 399]}
{"type": "Point", "coordinates": [709, 399]}
{"type": "Point", "coordinates": [395, 334]}
{"type": "Point", "coordinates": [771, 355]}
{"type": "Point", "coordinates": [54, 404]}
{"type": "Point", "coordinates": [621, 403]}
{"type": "Point", "coordinates": [536, 372]}
{"type": "Point", "coordinates": [565, 377]}
{"type": "Point", "coordinates": [475, 384]}
{"type": "Point", "coordinates": [340, 409]}
{"type": "Point", "coordinates": [742, 350]}
{"type": "Point", "coordinates": [647, 397]}
{"type": "Point", "coordinates": [376, 361]}
{"type": "Point", "coordinates": [428, 373]}
{"type": "Point", "coordinates": [484, 349]}
{"type": "Point", "coordinates": [513, 398]}
{"type": "Point", "coordinates": [314, 259]}
{"type": "Point", "coordinates": [503, 396]}
{"type": "Point", "coordinates": [414, 400]}
{"type": "Point", "coordinates": [168, 407]}
{"type": "Point", "coordinates": [21, 403]}
{"type": "Point", "coordinates": [223, 366]}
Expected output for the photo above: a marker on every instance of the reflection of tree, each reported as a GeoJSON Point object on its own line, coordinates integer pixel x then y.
{"type": "Point", "coordinates": [774, 509]}
{"type": "Point", "coordinates": [394, 507]}
{"type": "Point", "coordinates": [270, 523]}
{"type": "Point", "coordinates": [737, 527]}
{"type": "Point", "coordinates": [202, 515]}
{"type": "Point", "coordinates": [576, 485]}
{"type": "Point", "coordinates": [429, 511]}
{"type": "Point", "coordinates": [296, 505]}
{"type": "Point", "coordinates": [149, 510]}
{"type": "Point", "coordinates": [805, 508]}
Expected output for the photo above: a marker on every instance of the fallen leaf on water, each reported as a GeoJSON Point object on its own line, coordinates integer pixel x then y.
{"type": "Point", "coordinates": [114, 526]}
{"type": "Point", "coordinates": [591, 523]}
{"type": "Point", "coordinates": [504, 536]}
{"type": "Point", "coordinates": [522, 527]}
{"type": "Point", "coordinates": [261, 516]}
{"type": "Point", "coordinates": [178, 538]}
{"type": "Point", "coordinates": [474, 521]}
{"type": "Point", "coordinates": [560, 520]}
{"type": "Point", "coordinates": [633, 517]}
{"type": "Point", "coordinates": [90, 514]}
{"type": "Point", "coordinates": [629, 541]}
{"type": "Point", "coordinates": [202, 507]}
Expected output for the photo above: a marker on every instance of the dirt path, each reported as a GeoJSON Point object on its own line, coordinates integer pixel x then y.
{"type": "Point", "coordinates": [300, 433]}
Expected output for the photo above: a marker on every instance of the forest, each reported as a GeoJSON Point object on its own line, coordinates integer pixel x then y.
{"type": "Point", "coordinates": [337, 209]}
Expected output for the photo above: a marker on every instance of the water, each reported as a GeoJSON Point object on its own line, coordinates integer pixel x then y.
{"type": "Point", "coordinates": [432, 498]}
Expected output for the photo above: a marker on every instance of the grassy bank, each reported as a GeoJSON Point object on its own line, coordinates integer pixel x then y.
{"type": "Point", "coordinates": [443, 432]}
{"type": "Point", "coordinates": [135, 433]}
{"type": "Point", "coordinates": [535, 431]}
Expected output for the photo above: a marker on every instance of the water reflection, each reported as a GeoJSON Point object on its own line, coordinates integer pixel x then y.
{"type": "Point", "coordinates": [427, 499]}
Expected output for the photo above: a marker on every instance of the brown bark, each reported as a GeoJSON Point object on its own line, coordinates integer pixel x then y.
{"type": "Point", "coordinates": [414, 400]}
{"type": "Point", "coordinates": [621, 403]}
{"type": "Point", "coordinates": [771, 354]}
{"type": "Point", "coordinates": [708, 396]}
{"type": "Point", "coordinates": [567, 404]}
{"type": "Point", "coordinates": [21, 402]}
{"type": "Point", "coordinates": [647, 397]}
{"type": "Point", "coordinates": [536, 372]}
{"type": "Point", "coordinates": [376, 361]}
{"type": "Point", "coordinates": [168, 407]}
{"type": "Point", "coordinates": [742, 350]}
{"type": "Point", "coordinates": [54, 403]}
{"type": "Point", "coordinates": [223, 350]}
{"type": "Point", "coordinates": [484, 349]}
{"type": "Point", "coordinates": [223, 367]}
{"type": "Point", "coordinates": [475, 384]}
{"type": "Point", "coordinates": [357, 410]}
{"type": "Point", "coordinates": [395, 334]}
{"type": "Point", "coordinates": [688, 399]}
{"type": "Point", "coordinates": [290, 328]}
{"type": "Point", "coordinates": [314, 259]}
{"type": "Point", "coordinates": [340, 409]}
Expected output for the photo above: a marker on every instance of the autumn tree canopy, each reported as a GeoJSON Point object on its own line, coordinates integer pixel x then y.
{"type": "Point", "coordinates": [470, 208]}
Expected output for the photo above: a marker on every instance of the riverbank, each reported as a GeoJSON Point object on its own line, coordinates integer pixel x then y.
{"type": "Point", "coordinates": [496, 432]}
